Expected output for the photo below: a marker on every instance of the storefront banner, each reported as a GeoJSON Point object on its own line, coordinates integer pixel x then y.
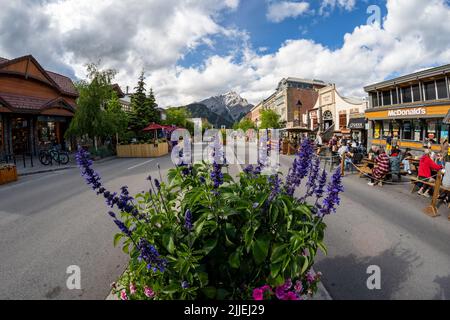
{"type": "Point", "coordinates": [407, 112]}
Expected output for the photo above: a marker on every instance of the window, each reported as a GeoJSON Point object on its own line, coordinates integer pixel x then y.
{"type": "Point", "coordinates": [430, 90]}
{"type": "Point", "coordinates": [374, 99]}
{"type": "Point", "coordinates": [406, 94]}
{"type": "Point", "coordinates": [1, 133]}
{"type": "Point", "coordinates": [417, 126]}
{"type": "Point", "coordinates": [442, 89]}
{"type": "Point", "coordinates": [407, 130]}
{"type": "Point", "coordinates": [377, 130]}
{"type": "Point", "coordinates": [416, 92]}
{"type": "Point", "coordinates": [342, 121]}
{"type": "Point", "coordinates": [386, 98]}
{"type": "Point", "coordinates": [386, 128]}
{"type": "Point", "coordinates": [394, 96]}
{"type": "Point", "coordinates": [432, 130]}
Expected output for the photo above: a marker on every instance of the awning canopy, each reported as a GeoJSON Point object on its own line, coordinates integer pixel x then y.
{"type": "Point", "coordinates": [447, 118]}
{"type": "Point", "coordinates": [154, 127]}
{"type": "Point", "coordinates": [357, 124]}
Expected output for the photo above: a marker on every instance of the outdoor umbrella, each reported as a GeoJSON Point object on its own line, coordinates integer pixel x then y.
{"type": "Point", "coordinates": [154, 127]}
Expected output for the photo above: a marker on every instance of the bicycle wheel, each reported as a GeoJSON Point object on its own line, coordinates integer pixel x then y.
{"type": "Point", "coordinates": [44, 158]}
{"type": "Point", "coordinates": [64, 158]}
{"type": "Point", "coordinates": [54, 155]}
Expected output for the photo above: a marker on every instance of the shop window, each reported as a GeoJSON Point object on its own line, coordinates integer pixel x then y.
{"type": "Point", "coordinates": [377, 130]}
{"type": "Point", "coordinates": [416, 92]}
{"type": "Point", "coordinates": [386, 98]}
{"type": "Point", "coordinates": [444, 132]}
{"type": "Point", "coordinates": [386, 128]}
{"type": "Point", "coordinates": [406, 94]}
{"type": "Point", "coordinates": [432, 130]}
{"type": "Point", "coordinates": [394, 97]}
{"type": "Point", "coordinates": [407, 130]}
{"type": "Point", "coordinates": [441, 89]}
{"type": "Point", "coordinates": [417, 125]}
{"type": "Point", "coordinates": [430, 90]}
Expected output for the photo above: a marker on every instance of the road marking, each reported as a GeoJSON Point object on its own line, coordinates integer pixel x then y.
{"type": "Point", "coordinates": [141, 164]}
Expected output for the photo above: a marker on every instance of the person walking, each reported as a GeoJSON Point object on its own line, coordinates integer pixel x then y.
{"type": "Point", "coordinates": [382, 165]}
{"type": "Point", "coordinates": [426, 166]}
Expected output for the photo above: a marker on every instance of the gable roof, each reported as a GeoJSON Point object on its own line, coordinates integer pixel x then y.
{"type": "Point", "coordinates": [20, 103]}
{"type": "Point", "coordinates": [62, 83]}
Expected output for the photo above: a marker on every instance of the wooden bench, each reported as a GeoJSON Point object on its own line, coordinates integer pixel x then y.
{"type": "Point", "coordinates": [432, 209]}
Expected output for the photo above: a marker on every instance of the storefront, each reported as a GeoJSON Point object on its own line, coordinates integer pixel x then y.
{"type": "Point", "coordinates": [358, 130]}
{"type": "Point", "coordinates": [410, 127]}
{"type": "Point", "coordinates": [36, 107]}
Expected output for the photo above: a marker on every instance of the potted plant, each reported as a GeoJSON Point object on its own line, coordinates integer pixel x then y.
{"type": "Point", "coordinates": [205, 235]}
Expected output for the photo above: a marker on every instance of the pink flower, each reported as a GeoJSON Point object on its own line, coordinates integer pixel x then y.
{"type": "Point", "coordinates": [298, 287]}
{"type": "Point", "coordinates": [149, 293]}
{"type": "Point", "coordinates": [291, 296]}
{"type": "Point", "coordinates": [266, 288]}
{"type": "Point", "coordinates": [123, 295]}
{"type": "Point", "coordinates": [280, 292]}
{"type": "Point", "coordinates": [132, 288]}
{"type": "Point", "coordinates": [258, 294]}
{"type": "Point", "coordinates": [310, 277]}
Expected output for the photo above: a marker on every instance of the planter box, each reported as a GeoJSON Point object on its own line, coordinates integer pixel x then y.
{"type": "Point", "coordinates": [8, 174]}
{"type": "Point", "coordinates": [143, 150]}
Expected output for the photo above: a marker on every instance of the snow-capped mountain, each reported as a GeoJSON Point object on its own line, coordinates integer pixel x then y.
{"type": "Point", "coordinates": [230, 106]}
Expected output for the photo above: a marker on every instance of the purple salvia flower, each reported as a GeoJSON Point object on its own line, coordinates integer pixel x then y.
{"type": "Point", "coordinates": [332, 200]}
{"type": "Point", "coordinates": [217, 175]}
{"type": "Point", "coordinates": [275, 183]}
{"type": "Point", "coordinates": [320, 190]}
{"type": "Point", "coordinates": [300, 168]}
{"type": "Point", "coordinates": [311, 185]}
{"type": "Point", "coordinates": [188, 220]}
{"type": "Point", "coordinates": [151, 256]}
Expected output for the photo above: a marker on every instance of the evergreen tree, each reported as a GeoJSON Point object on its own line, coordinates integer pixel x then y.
{"type": "Point", "coordinates": [143, 108]}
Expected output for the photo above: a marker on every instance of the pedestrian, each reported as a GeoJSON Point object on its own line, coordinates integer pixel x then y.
{"type": "Point", "coordinates": [381, 169]}
{"type": "Point", "coordinates": [445, 149]}
{"type": "Point", "coordinates": [426, 166]}
{"type": "Point", "coordinates": [319, 143]}
{"type": "Point", "coordinates": [389, 143]}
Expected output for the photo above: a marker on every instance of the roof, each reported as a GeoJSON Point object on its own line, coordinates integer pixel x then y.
{"type": "Point", "coordinates": [26, 103]}
{"type": "Point", "coordinates": [432, 72]}
{"type": "Point", "coordinates": [118, 90]}
{"type": "Point", "coordinates": [64, 83]}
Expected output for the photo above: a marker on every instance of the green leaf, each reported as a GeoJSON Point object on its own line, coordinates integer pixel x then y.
{"type": "Point", "coordinates": [168, 243]}
{"type": "Point", "coordinates": [235, 259]}
{"type": "Point", "coordinates": [260, 249]}
{"type": "Point", "coordinates": [117, 238]}
{"type": "Point", "coordinates": [209, 245]}
{"type": "Point", "coordinates": [203, 277]}
{"type": "Point", "coordinates": [275, 269]}
{"type": "Point", "coordinates": [278, 253]}
{"type": "Point", "coordinates": [209, 292]}
{"type": "Point", "coordinates": [322, 247]}
{"type": "Point", "coordinates": [305, 265]}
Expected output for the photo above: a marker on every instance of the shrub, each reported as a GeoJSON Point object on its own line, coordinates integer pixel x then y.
{"type": "Point", "coordinates": [204, 235]}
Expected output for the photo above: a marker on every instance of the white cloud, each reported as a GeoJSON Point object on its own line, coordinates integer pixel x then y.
{"type": "Point", "coordinates": [157, 34]}
{"type": "Point", "coordinates": [329, 5]}
{"type": "Point", "coordinates": [279, 11]}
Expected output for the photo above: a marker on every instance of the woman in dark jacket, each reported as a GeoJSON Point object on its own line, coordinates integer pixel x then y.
{"type": "Point", "coordinates": [395, 161]}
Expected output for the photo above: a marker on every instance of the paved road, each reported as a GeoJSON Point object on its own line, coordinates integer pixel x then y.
{"type": "Point", "coordinates": [51, 221]}
{"type": "Point", "coordinates": [385, 227]}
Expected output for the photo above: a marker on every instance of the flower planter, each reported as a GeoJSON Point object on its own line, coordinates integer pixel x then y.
{"type": "Point", "coordinates": [143, 150]}
{"type": "Point", "coordinates": [8, 174]}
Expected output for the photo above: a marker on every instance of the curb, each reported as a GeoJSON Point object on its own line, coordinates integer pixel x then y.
{"type": "Point", "coordinates": [45, 171]}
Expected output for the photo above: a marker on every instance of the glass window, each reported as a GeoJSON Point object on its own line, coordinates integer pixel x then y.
{"type": "Point", "coordinates": [444, 132]}
{"type": "Point", "coordinates": [430, 90]}
{"type": "Point", "coordinates": [377, 130]}
{"type": "Point", "coordinates": [394, 97]}
{"type": "Point", "coordinates": [386, 98]}
{"type": "Point", "coordinates": [407, 130]}
{"type": "Point", "coordinates": [442, 89]}
{"type": "Point", "coordinates": [417, 125]}
{"type": "Point", "coordinates": [406, 94]}
{"type": "Point", "coordinates": [374, 99]}
{"type": "Point", "coordinates": [416, 92]}
{"type": "Point", "coordinates": [432, 129]}
{"type": "Point", "coordinates": [386, 128]}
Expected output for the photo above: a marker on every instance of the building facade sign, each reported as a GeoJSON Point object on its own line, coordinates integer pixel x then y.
{"type": "Point", "coordinates": [407, 112]}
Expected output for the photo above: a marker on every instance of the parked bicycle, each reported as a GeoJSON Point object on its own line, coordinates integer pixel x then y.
{"type": "Point", "coordinates": [47, 157]}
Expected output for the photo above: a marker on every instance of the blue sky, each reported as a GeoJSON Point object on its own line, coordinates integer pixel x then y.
{"type": "Point", "coordinates": [194, 49]}
{"type": "Point", "coordinates": [251, 16]}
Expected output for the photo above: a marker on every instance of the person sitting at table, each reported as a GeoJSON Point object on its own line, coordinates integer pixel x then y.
{"type": "Point", "coordinates": [426, 166]}
{"type": "Point", "coordinates": [395, 160]}
{"type": "Point", "coordinates": [405, 160]}
{"type": "Point", "coordinates": [381, 169]}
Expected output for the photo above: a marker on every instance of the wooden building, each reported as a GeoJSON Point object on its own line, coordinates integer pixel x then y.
{"type": "Point", "coordinates": [36, 106]}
